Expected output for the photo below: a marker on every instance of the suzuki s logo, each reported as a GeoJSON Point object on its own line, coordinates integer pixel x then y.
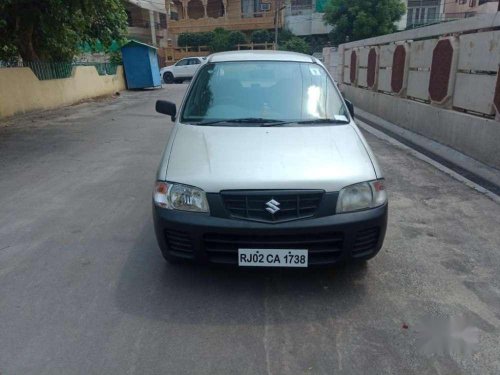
{"type": "Point", "coordinates": [272, 206]}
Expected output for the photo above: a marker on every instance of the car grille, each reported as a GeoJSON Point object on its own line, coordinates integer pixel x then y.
{"type": "Point", "coordinates": [257, 205]}
{"type": "Point", "coordinates": [323, 248]}
{"type": "Point", "coordinates": [179, 244]}
{"type": "Point", "coordinates": [366, 242]}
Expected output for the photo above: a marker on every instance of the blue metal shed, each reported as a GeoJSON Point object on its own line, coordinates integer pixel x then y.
{"type": "Point", "coordinates": [140, 62]}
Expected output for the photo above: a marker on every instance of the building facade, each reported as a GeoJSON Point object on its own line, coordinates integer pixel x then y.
{"type": "Point", "coordinates": [147, 21]}
{"type": "Point", "coordinates": [468, 8]}
{"type": "Point", "coordinates": [424, 12]}
{"type": "Point", "coordinates": [305, 17]}
{"type": "Point", "coordinates": [206, 15]}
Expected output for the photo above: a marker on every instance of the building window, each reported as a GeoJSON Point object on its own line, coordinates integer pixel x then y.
{"type": "Point", "coordinates": [129, 17]}
{"type": "Point", "coordinates": [410, 17]}
{"type": "Point", "coordinates": [163, 21]}
{"type": "Point", "coordinates": [431, 15]}
{"type": "Point", "coordinates": [300, 6]}
{"type": "Point", "coordinates": [419, 15]}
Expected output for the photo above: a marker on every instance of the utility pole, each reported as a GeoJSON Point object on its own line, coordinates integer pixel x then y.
{"type": "Point", "coordinates": [276, 15]}
{"type": "Point", "coordinates": [152, 24]}
{"type": "Point", "coordinates": [277, 12]}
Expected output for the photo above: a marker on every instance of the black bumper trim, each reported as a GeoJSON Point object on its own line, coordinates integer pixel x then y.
{"type": "Point", "coordinates": [329, 239]}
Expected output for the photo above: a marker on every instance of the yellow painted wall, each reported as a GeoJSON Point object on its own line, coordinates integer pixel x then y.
{"type": "Point", "coordinates": [21, 91]}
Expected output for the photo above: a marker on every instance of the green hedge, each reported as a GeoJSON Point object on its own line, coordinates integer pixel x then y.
{"type": "Point", "coordinates": [224, 40]}
{"type": "Point", "coordinates": [262, 36]}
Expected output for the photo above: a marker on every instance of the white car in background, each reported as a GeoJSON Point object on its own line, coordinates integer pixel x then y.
{"type": "Point", "coordinates": [182, 70]}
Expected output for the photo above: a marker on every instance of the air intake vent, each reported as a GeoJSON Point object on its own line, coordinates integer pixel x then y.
{"type": "Point", "coordinates": [366, 242]}
{"type": "Point", "coordinates": [179, 243]}
{"type": "Point", "coordinates": [323, 248]}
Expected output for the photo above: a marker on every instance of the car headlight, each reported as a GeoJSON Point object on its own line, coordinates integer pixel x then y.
{"type": "Point", "coordinates": [361, 196]}
{"type": "Point", "coordinates": [180, 197]}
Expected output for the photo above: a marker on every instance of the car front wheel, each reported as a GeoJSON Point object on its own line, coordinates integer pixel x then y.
{"type": "Point", "coordinates": [168, 77]}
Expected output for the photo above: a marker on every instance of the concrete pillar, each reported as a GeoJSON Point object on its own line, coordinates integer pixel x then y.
{"type": "Point", "coordinates": [204, 2]}
{"type": "Point", "coordinates": [224, 2]}
{"type": "Point", "coordinates": [185, 9]}
{"type": "Point", "coordinates": [153, 28]}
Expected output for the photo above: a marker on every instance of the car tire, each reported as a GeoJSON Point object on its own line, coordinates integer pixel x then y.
{"type": "Point", "coordinates": [168, 77]}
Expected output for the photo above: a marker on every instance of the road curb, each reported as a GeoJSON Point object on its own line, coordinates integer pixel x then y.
{"type": "Point", "coordinates": [479, 173]}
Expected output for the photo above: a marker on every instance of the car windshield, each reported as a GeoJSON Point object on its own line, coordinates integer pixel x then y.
{"type": "Point", "coordinates": [248, 92]}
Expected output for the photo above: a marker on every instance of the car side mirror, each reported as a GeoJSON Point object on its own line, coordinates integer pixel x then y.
{"type": "Point", "coordinates": [350, 107]}
{"type": "Point", "coordinates": [167, 108]}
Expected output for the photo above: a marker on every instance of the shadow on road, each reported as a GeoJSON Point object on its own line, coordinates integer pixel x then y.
{"type": "Point", "coordinates": [198, 294]}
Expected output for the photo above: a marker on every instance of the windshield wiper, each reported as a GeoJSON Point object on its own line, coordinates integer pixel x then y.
{"type": "Point", "coordinates": [312, 121]}
{"type": "Point", "coordinates": [247, 120]}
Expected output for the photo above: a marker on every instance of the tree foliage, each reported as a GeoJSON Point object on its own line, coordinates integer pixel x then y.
{"type": "Point", "coordinates": [296, 44]}
{"type": "Point", "coordinates": [360, 19]}
{"type": "Point", "coordinates": [262, 36]}
{"type": "Point", "coordinates": [195, 39]}
{"type": "Point", "coordinates": [284, 35]}
{"type": "Point", "coordinates": [53, 30]}
{"type": "Point", "coordinates": [217, 41]}
{"type": "Point", "coordinates": [224, 40]}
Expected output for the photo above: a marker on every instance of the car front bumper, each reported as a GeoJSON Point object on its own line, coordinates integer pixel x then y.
{"type": "Point", "coordinates": [329, 239]}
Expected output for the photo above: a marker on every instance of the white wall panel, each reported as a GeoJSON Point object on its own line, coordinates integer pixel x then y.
{"type": "Point", "coordinates": [363, 56]}
{"type": "Point", "coordinates": [386, 55]}
{"type": "Point", "coordinates": [384, 80]}
{"type": "Point", "coordinates": [418, 84]}
{"type": "Point", "coordinates": [362, 78]}
{"type": "Point", "coordinates": [421, 53]}
{"type": "Point", "coordinates": [479, 51]}
{"type": "Point", "coordinates": [474, 92]}
{"type": "Point", "coordinates": [347, 77]}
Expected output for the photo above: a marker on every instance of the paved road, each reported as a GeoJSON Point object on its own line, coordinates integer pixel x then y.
{"type": "Point", "coordinates": [84, 290]}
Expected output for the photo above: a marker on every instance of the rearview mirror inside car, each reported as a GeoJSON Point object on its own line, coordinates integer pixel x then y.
{"type": "Point", "coordinates": [350, 107]}
{"type": "Point", "coordinates": [167, 108]}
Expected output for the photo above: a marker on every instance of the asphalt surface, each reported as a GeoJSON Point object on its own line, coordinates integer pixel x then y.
{"type": "Point", "coordinates": [84, 289]}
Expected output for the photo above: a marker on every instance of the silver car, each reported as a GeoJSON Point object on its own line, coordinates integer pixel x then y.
{"type": "Point", "coordinates": [265, 167]}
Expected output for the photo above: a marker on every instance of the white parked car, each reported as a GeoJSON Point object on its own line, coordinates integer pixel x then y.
{"type": "Point", "coordinates": [182, 69]}
{"type": "Point", "coordinates": [265, 167]}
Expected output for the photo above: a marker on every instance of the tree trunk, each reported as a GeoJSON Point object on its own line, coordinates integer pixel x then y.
{"type": "Point", "coordinates": [25, 41]}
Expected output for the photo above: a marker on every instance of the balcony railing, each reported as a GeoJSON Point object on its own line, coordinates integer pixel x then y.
{"type": "Point", "coordinates": [174, 54]}
{"type": "Point", "coordinates": [232, 21]}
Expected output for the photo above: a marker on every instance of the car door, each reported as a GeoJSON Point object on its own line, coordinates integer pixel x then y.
{"type": "Point", "coordinates": [193, 65]}
{"type": "Point", "coordinates": [180, 69]}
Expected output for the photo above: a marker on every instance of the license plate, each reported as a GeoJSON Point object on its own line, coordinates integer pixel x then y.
{"type": "Point", "coordinates": [272, 258]}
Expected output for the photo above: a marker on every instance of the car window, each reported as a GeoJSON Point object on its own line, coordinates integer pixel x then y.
{"type": "Point", "coordinates": [194, 61]}
{"type": "Point", "coordinates": [287, 91]}
{"type": "Point", "coordinates": [182, 62]}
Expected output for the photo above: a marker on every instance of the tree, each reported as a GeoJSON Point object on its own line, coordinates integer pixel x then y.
{"type": "Point", "coordinates": [261, 36]}
{"type": "Point", "coordinates": [53, 30]}
{"type": "Point", "coordinates": [236, 37]}
{"type": "Point", "coordinates": [296, 44]}
{"type": "Point", "coordinates": [194, 39]}
{"type": "Point", "coordinates": [360, 19]}
{"type": "Point", "coordinates": [224, 40]}
{"type": "Point", "coordinates": [284, 36]}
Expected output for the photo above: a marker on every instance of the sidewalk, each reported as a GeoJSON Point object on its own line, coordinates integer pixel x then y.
{"type": "Point", "coordinates": [481, 174]}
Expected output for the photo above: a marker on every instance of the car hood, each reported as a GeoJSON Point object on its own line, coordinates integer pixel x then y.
{"type": "Point", "coordinates": [226, 158]}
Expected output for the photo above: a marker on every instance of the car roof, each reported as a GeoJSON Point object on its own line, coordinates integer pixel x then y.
{"type": "Point", "coordinates": [263, 55]}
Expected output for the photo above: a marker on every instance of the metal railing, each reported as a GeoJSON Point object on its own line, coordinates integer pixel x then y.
{"type": "Point", "coordinates": [45, 70]}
